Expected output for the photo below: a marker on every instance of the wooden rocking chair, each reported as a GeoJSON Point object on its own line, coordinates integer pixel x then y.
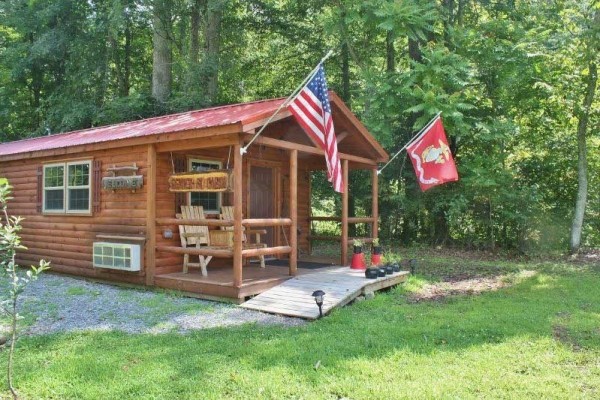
{"type": "Point", "coordinates": [194, 235]}
{"type": "Point", "coordinates": [227, 214]}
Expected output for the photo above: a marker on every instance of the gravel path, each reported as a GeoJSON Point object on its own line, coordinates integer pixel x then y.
{"type": "Point", "coordinates": [57, 303]}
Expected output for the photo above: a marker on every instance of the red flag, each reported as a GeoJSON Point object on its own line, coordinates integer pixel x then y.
{"type": "Point", "coordinates": [431, 157]}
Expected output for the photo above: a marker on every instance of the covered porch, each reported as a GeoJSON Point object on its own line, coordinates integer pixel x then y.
{"type": "Point", "coordinates": [270, 191]}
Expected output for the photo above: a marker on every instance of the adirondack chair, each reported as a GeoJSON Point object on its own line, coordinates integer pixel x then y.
{"type": "Point", "coordinates": [194, 235]}
{"type": "Point", "coordinates": [227, 214]}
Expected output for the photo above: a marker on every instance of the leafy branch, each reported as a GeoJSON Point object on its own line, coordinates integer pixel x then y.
{"type": "Point", "coordinates": [10, 242]}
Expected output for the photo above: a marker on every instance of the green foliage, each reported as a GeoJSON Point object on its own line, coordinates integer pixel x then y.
{"type": "Point", "coordinates": [12, 283]}
{"type": "Point", "coordinates": [507, 77]}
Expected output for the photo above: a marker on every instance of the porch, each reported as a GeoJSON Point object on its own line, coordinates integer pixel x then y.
{"type": "Point", "coordinates": [219, 284]}
{"type": "Point", "coordinates": [270, 191]}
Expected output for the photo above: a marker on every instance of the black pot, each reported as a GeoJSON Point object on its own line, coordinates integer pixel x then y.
{"type": "Point", "coordinates": [396, 267]}
{"type": "Point", "coordinates": [389, 269]}
{"type": "Point", "coordinates": [376, 249]}
{"type": "Point", "coordinates": [381, 272]}
{"type": "Point", "coordinates": [371, 273]}
{"type": "Point", "coordinates": [357, 249]}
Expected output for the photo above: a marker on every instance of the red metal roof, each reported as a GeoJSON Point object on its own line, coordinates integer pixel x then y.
{"type": "Point", "coordinates": [217, 116]}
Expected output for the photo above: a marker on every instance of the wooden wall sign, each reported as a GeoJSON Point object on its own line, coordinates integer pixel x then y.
{"type": "Point", "coordinates": [206, 181]}
{"type": "Point", "coordinates": [122, 182]}
{"type": "Point", "coordinates": [123, 177]}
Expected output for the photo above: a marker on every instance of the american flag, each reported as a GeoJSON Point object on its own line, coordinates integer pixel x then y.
{"type": "Point", "coordinates": [312, 109]}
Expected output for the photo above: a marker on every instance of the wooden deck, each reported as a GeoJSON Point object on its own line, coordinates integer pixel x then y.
{"type": "Point", "coordinates": [218, 285]}
{"type": "Point", "coordinates": [293, 297]}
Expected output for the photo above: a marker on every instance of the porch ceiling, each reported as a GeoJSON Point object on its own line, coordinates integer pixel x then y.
{"type": "Point", "coordinates": [353, 137]}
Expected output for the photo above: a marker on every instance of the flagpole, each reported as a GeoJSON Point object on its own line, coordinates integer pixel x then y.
{"type": "Point", "coordinates": [244, 149]}
{"type": "Point", "coordinates": [411, 141]}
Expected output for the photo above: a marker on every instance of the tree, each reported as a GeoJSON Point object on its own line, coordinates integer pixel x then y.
{"type": "Point", "coordinates": [10, 242]}
{"type": "Point", "coordinates": [162, 53]}
{"type": "Point", "coordinates": [591, 44]}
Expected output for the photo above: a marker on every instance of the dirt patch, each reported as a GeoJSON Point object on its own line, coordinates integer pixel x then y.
{"type": "Point", "coordinates": [458, 285]}
{"type": "Point", "coordinates": [588, 256]}
{"type": "Point", "coordinates": [561, 333]}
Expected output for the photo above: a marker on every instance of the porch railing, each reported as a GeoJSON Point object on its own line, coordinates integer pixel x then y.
{"type": "Point", "coordinates": [351, 220]}
{"type": "Point", "coordinates": [225, 252]}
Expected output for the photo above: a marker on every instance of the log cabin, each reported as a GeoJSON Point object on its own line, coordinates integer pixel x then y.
{"type": "Point", "coordinates": [99, 203]}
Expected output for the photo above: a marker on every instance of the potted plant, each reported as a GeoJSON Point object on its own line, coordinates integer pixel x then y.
{"type": "Point", "coordinates": [372, 272]}
{"type": "Point", "coordinates": [393, 261]}
{"type": "Point", "coordinates": [357, 244]}
{"type": "Point", "coordinates": [389, 269]}
{"type": "Point", "coordinates": [396, 266]}
{"type": "Point", "coordinates": [358, 258]}
{"type": "Point", "coordinates": [376, 253]}
{"type": "Point", "coordinates": [376, 246]}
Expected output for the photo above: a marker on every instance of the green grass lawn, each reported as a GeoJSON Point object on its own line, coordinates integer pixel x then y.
{"type": "Point", "coordinates": [536, 337]}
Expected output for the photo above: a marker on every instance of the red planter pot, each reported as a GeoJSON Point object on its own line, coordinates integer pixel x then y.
{"type": "Point", "coordinates": [358, 261]}
{"type": "Point", "coordinates": [375, 259]}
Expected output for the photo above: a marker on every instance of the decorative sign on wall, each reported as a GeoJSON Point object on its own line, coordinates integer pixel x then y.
{"type": "Point", "coordinates": [206, 181]}
{"type": "Point", "coordinates": [122, 182]}
{"type": "Point", "coordinates": [123, 177]}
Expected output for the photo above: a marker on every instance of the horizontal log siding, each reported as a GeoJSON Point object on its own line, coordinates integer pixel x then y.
{"type": "Point", "coordinates": [165, 208]}
{"type": "Point", "coordinates": [66, 240]}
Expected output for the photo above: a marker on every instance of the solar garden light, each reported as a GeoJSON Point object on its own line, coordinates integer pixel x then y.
{"type": "Point", "coordinates": [413, 265]}
{"type": "Point", "coordinates": [318, 295]}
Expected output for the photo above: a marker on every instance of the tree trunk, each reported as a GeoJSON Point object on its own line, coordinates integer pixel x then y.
{"type": "Point", "coordinates": [122, 66]}
{"type": "Point", "coordinates": [162, 56]}
{"type": "Point", "coordinates": [197, 5]}
{"type": "Point", "coordinates": [448, 22]}
{"type": "Point", "coordinates": [345, 73]}
{"type": "Point", "coordinates": [582, 178]}
{"type": "Point", "coordinates": [125, 86]}
{"type": "Point", "coordinates": [460, 12]}
{"type": "Point", "coordinates": [414, 50]}
{"type": "Point", "coordinates": [214, 15]}
{"type": "Point", "coordinates": [390, 52]}
{"type": "Point", "coordinates": [194, 84]}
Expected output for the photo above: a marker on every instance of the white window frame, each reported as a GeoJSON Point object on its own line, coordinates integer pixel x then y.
{"type": "Point", "coordinates": [65, 188]}
{"type": "Point", "coordinates": [53, 211]}
{"type": "Point", "coordinates": [219, 164]}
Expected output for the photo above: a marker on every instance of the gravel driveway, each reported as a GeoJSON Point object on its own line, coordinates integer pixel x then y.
{"type": "Point", "coordinates": [57, 303]}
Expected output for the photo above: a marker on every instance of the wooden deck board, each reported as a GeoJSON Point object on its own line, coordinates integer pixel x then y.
{"type": "Point", "coordinates": [341, 285]}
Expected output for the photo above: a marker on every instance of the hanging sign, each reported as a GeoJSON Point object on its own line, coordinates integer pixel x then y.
{"type": "Point", "coordinates": [123, 182]}
{"type": "Point", "coordinates": [205, 181]}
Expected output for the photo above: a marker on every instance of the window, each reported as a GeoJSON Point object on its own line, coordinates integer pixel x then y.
{"type": "Point", "coordinates": [210, 201]}
{"type": "Point", "coordinates": [67, 187]}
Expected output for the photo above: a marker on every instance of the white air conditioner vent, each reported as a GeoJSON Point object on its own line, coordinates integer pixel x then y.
{"type": "Point", "coordinates": [121, 256]}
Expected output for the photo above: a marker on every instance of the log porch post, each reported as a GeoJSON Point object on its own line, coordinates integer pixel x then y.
{"type": "Point", "coordinates": [237, 216]}
{"type": "Point", "coordinates": [294, 211]}
{"type": "Point", "coordinates": [375, 203]}
{"type": "Point", "coordinates": [344, 249]}
{"type": "Point", "coordinates": [150, 216]}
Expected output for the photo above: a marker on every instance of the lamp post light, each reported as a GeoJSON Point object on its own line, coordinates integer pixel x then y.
{"type": "Point", "coordinates": [318, 295]}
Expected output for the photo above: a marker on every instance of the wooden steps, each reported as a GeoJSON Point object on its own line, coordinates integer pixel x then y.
{"type": "Point", "coordinates": [341, 285]}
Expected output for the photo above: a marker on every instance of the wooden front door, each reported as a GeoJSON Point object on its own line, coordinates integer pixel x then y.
{"type": "Point", "coordinates": [262, 198]}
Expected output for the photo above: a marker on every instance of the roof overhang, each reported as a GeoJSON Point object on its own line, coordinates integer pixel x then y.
{"type": "Point", "coordinates": [208, 123]}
